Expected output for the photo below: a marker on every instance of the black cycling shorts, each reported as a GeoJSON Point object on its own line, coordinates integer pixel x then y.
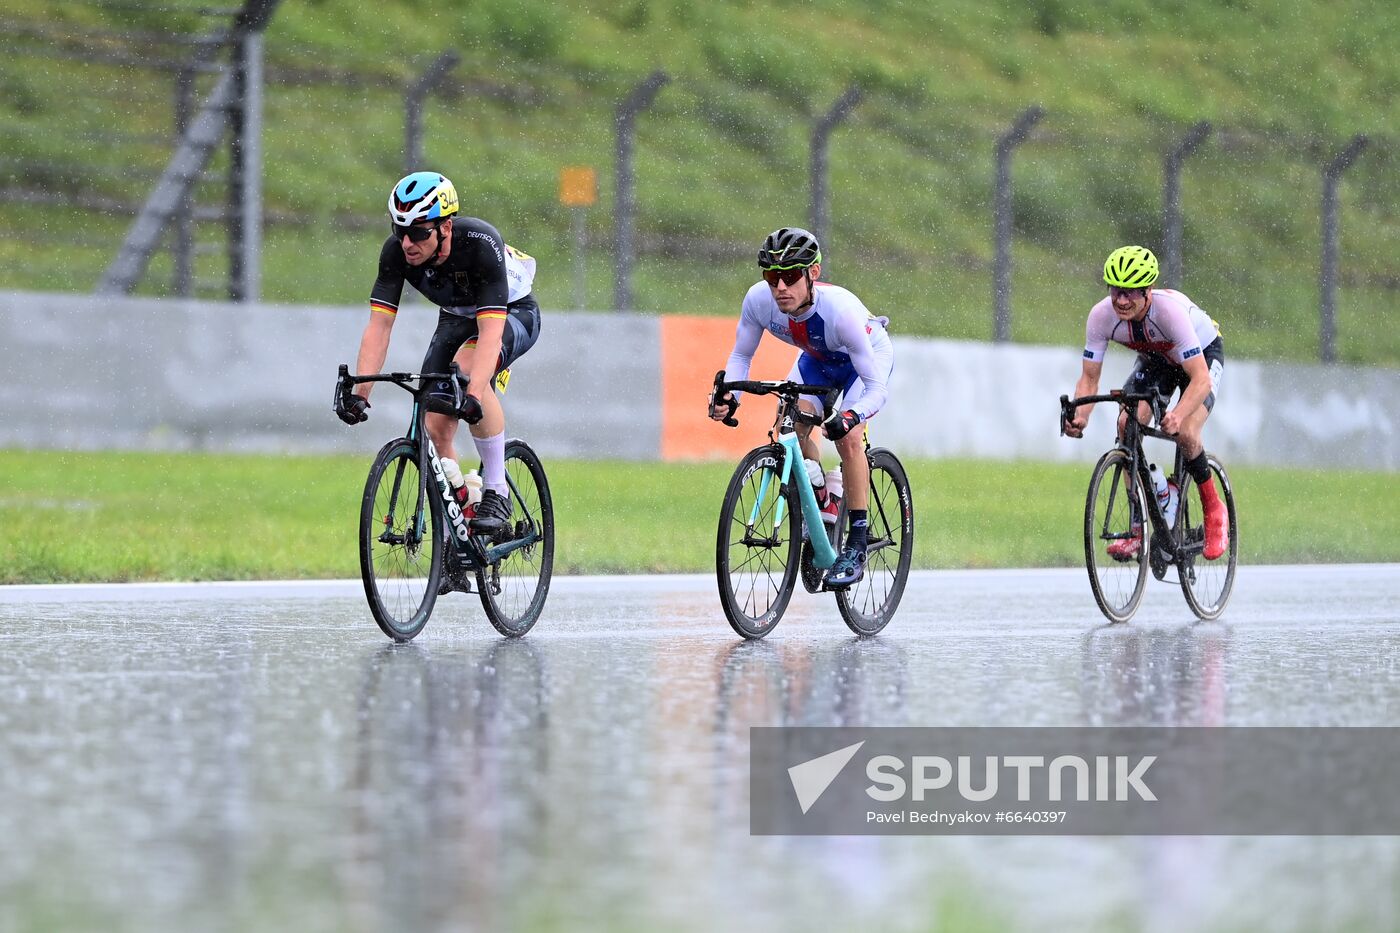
{"type": "Point", "coordinates": [1156, 373]}
{"type": "Point", "coordinates": [456, 330]}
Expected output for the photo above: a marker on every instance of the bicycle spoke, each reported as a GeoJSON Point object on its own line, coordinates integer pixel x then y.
{"type": "Point", "coordinates": [1206, 584]}
{"type": "Point", "coordinates": [755, 549]}
{"type": "Point", "coordinates": [868, 605]}
{"type": "Point", "coordinates": [396, 557]}
{"type": "Point", "coordinates": [1113, 513]}
{"type": "Point", "coordinates": [514, 588]}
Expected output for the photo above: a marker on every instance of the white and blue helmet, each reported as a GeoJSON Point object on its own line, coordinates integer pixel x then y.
{"type": "Point", "coordinates": [422, 196]}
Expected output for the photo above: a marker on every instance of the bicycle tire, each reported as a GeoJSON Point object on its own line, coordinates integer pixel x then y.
{"type": "Point", "coordinates": [868, 604]}
{"type": "Point", "coordinates": [1108, 577]}
{"type": "Point", "coordinates": [739, 565]}
{"type": "Point", "coordinates": [398, 542]}
{"type": "Point", "coordinates": [513, 590]}
{"type": "Point", "coordinates": [1206, 584]}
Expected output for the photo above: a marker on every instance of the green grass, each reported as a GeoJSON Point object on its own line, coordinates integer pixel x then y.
{"type": "Point", "coordinates": [117, 517]}
{"type": "Point", "coordinates": [721, 158]}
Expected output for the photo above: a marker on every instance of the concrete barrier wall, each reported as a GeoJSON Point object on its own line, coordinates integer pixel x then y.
{"type": "Point", "coordinates": [97, 373]}
{"type": "Point", "coordinates": [89, 373]}
{"type": "Point", "coordinates": [981, 400]}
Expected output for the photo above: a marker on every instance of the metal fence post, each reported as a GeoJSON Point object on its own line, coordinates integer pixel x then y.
{"type": "Point", "coordinates": [637, 100]}
{"type": "Point", "coordinates": [182, 232]}
{"type": "Point", "coordinates": [413, 107]}
{"type": "Point", "coordinates": [245, 170]}
{"type": "Point", "coordinates": [1171, 200]}
{"type": "Point", "coordinates": [821, 138]}
{"type": "Point", "coordinates": [1331, 176]}
{"type": "Point", "coordinates": [1001, 267]}
{"type": "Point", "coordinates": [187, 162]}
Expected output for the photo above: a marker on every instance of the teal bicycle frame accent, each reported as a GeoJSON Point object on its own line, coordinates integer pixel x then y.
{"type": "Point", "coordinates": [823, 554]}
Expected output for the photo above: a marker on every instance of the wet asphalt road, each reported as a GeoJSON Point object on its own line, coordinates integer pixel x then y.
{"type": "Point", "coordinates": [231, 757]}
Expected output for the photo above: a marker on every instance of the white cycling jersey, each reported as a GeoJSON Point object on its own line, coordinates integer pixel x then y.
{"type": "Point", "coordinates": [842, 343]}
{"type": "Point", "coordinates": [1174, 329]}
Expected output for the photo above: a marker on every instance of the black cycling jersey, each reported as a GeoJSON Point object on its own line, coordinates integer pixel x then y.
{"type": "Point", "coordinates": [472, 278]}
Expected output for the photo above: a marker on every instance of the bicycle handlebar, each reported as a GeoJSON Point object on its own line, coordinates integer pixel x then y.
{"type": "Point", "coordinates": [782, 388]}
{"type": "Point", "coordinates": [1069, 405]}
{"type": "Point", "coordinates": [345, 382]}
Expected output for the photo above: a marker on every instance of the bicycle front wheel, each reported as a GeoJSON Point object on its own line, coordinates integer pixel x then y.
{"type": "Point", "coordinates": [1206, 584]}
{"type": "Point", "coordinates": [400, 539]}
{"type": "Point", "coordinates": [756, 550]}
{"type": "Point", "coordinates": [1114, 514]}
{"type": "Point", "coordinates": [514, 588]}
{"type": "Point", "coordinates": [869, 603]}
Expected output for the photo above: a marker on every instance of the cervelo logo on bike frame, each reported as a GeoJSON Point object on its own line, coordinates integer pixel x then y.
{"type": "Point", "coordinates": [454, 511]}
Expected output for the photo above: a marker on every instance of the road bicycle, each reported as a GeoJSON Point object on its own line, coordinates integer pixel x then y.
{"type": "Point", "coordinates": [1120, 506]}
{"type": "Point", "coordinates": [770, 500]}
{"type": "Point", "coordinates": [413, 530]}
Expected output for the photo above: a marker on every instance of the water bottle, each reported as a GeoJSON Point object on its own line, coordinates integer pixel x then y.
{"type": "Point", "coordinates": [814, 473]}
{"type": "Point", "coordinates": [453, 471]}
{"type": "Point", "coordinates": [1167, 495]}
{"type": "Point", "coordinates": [471, 487]}
{"type": "Point", "coordinates": [833, 482]}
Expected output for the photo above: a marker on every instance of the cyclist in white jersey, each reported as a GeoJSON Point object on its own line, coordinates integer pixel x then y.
{"type": "Point", "coordinates": [843, 345]}
{"type": "Point", "coordinates": [1179, 347]}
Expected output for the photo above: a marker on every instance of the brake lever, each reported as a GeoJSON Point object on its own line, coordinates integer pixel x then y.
{"type": "Point", "coordinates": [829, 404]}
{"type": "Point", "coordinates": [732, 403]}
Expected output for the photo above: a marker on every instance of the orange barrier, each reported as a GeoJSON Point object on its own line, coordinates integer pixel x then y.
{"type": "Point", "coordinates": [693, 349]}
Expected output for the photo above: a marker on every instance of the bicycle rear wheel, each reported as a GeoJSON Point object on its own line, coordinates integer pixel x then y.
{"type": "Point", "coordinates": [1206, 584]}
{"type": "Point", "coordinates": [1115, 510]}
{"type": "Point", "coordinates": [869, 603]}
{"type": "Point", "coordinates": [513, 589]}
{"type": "Point", "coordinates": [755, 553]}
{"type": "Point", "coordinates": [400, 540]}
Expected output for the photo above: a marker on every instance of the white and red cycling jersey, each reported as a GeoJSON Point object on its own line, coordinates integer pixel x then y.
{"type": "Point", "coordinates": [842, 343]}
{"type": "Point", "coordinates": [1174, 329]}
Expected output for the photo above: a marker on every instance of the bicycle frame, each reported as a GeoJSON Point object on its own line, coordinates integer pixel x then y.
{"type": "Point", "coordinates": [784, 435]}
{"type": "Point", "coordinates": [823, 554]}
{"type": "Point", "coordinates": [1164, 545]}
{"type": "Point", "coordinates": [470, 550]}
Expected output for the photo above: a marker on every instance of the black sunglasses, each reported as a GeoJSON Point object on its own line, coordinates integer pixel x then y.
{"type": "Point", "coordinates": [415, 233]}
{"type": "Point", "coordinates": [788, 277]}
{"type": "Point", "coordinates": [1115, 291]}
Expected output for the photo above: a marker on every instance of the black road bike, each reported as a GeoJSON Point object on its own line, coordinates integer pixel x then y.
{"type": "Point", "coordinates": [1122, 505]}
{"type": "Point", "coordinates": [413, 531]}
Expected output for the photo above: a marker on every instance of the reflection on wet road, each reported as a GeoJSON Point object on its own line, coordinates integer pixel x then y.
{"type": "Point", "coordinates": [246, 758]}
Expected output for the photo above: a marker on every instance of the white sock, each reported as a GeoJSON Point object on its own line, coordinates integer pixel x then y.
{"type": "Point", "coordinates": [492, 451]}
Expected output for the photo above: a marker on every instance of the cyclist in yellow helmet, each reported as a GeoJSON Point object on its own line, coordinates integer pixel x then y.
{"type": "Point", "coordinates": [1178, 347]}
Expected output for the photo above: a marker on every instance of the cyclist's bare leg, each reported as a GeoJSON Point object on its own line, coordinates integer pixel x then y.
{"type": "Point", "coordinates": [855, 469]}
{"type": "Point", "coordinates": [493, 417]}
{"type": "Point", "coordinates": [1188, 438]}
{"type": "Point", "coordinates": [443, 428]}
{"type": "Point", "coordinates": [1144, 417]}
{"type": "Point", "coordinates": [811, 447]}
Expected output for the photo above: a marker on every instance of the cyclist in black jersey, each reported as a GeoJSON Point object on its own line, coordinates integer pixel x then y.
{"type": "Point", "coordinates": [487, 319]}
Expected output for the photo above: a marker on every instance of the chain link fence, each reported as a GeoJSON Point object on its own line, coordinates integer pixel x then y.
{"type": "Point", "coordinates": [73, 185]}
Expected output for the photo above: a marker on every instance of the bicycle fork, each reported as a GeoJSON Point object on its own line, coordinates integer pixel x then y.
{"type": "Point", "coordinates": [823, 554]}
